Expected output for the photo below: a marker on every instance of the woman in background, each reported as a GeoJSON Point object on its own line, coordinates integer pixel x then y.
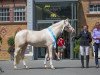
{"type": "Point", "coordinates": [96, 37]}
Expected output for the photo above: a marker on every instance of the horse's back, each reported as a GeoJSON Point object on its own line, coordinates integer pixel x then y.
{"type": "Point", "coordinates": [30, 37]}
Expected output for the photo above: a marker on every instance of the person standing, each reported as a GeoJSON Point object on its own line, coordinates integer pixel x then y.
{"type": "Point", "coordinates": [85, 40]}
{"type": "Point", "coordinates": [61, 46]}
{"type": "Point", "coordinates": [96, 37]}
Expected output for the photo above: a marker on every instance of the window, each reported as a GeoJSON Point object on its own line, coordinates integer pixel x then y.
{"type": "Point", "coordinates": [53, 11]}
{"type": "Point", "coordinates": [19, 14]}
{"type": "Point", "coordinates": [4, 14]}
{"type": "Point", "coordinates": [94, 8]}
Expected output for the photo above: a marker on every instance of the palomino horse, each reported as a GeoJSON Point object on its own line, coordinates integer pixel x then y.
{"type": "Point", "coordinates": [43, 38]}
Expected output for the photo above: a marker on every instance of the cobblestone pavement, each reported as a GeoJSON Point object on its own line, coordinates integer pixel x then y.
{"type": "Point", "coordinates": [63, 67]}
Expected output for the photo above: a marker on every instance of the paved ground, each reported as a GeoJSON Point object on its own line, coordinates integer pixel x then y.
{"type": "Point", "coordinates": [63, 67]}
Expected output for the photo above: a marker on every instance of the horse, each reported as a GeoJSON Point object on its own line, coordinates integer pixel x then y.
{"type": "Point", "coordinates": [43, 38]}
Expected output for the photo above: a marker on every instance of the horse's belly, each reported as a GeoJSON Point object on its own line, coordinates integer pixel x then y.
{"type": "Point", "coordinates": [36, 39]}
{"type": "Point", "coordinates": [37, 44]}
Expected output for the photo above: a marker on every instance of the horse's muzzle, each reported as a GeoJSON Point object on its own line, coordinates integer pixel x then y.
{"type": "Point", "coordinates": [73, 33]}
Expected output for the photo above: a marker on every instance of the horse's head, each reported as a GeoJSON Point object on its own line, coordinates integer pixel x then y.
{"type": "Point", "coordinates": [68, 27]}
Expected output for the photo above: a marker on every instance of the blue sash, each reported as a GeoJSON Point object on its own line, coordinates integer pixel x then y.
{"type": "Point", "coordinates": [53, 37]}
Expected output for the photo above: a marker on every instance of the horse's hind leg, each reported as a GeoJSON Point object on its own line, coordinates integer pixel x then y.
{"type": "Point", "coordinates": [22, 55]}
{"type": "Point", "coordinates": [16, 57]}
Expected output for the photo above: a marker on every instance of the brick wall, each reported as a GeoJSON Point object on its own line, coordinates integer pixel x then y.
{"type": "Point", "coordinates": [84, 17]}
{"type": "Point", "coordinates": [6, 31]}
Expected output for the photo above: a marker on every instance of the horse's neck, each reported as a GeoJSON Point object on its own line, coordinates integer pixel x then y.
{"type": "Point", "coordinates": [58, 28]}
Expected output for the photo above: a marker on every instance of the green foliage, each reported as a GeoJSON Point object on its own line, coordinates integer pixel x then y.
{"type": "Point", "coordinates": [11, 41]}
{"type": "Point", "coordinates": [77, 46]}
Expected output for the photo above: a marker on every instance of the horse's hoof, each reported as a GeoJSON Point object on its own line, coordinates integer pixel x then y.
{"type": "Point", "coordinates": [45, 66]}
{"type": "Point", "coordinates": [15, 68]}
{"type": "Point", "coordinates": [26, 67]}
{"type": "Point", "coordinates": [53, 68]}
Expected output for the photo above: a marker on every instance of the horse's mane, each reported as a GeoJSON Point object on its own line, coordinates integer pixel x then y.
{"type": "Point", "coordinates": [55, 24]}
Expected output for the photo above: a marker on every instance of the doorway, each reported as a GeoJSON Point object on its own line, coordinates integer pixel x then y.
{"type": "Point", "coordinates": [51, 12]}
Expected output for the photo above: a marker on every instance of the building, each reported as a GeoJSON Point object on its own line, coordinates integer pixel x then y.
{"type": "Point", "coordinates": [89, 12]}
{"type": "Point", "coordinates": [12, 19]}
{"type": "Point", "coordinates": [16, 15]}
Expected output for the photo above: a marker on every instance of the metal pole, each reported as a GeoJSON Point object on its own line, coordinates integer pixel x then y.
{"type": "Point", "coordinates": [31, 22]}
{"type": "Point", "coordinates": [71, 43]}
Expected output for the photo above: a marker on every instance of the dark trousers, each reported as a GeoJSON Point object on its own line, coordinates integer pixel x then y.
{"type": "Point", "coordinates": [96, 47]}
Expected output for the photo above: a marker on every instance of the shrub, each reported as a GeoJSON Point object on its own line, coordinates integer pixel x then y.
{"type": "Point", "coordinates": [11, 41]}
{"type": "Point", "coordinates": [77, 46]}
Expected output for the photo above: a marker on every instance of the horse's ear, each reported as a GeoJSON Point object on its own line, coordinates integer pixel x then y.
{"type": "Point", "coordinates": [67, 19]}
{"type": "Point", "coordinates": [64, 21]}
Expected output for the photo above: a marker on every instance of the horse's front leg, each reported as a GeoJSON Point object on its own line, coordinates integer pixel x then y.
{"type": "Point", "coordinates": [51, 57]}
{"type": "Point", "coordinates": [45, 60]}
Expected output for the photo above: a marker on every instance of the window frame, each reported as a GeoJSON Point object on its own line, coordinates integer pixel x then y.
{"type": "Point", "coordinates": [19, 12]}
{"type": "Point", "coordinates": [10, 14]}
{"type": "Point", "coordinates": [5, 14]}
{"type": "Point", "coordinates": [94, 8]}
